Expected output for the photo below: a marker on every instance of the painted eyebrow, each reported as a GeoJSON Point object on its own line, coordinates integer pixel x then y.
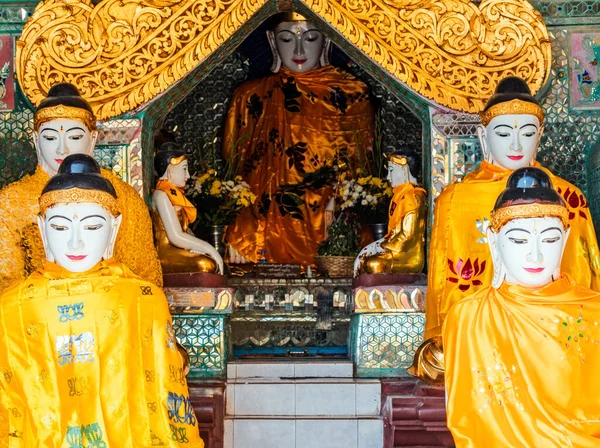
{"type": "Point", "coordinates": [550, 228]}
{"type": "Point", "coordinates": [517, 229]}
{"type": "Point", "coordinates": [59, 216]}
{"type": "Point", "coordinates": [48, 129]}
{"type": "Point", "coordinates": [502, 126]}
{"type": "Point", "coordinates": [528, 124]}
{"type": "Point", "coordinates": [76, 128]}
{"type": "Point", "coordinates": [92, 216]}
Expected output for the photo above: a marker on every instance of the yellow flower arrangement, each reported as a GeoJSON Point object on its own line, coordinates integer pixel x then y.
{"type": "Point", "coordinates": [368, 196]}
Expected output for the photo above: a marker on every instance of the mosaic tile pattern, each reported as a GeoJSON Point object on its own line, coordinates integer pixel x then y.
{"type": "Point", "coordinates": [203, 336]}
{"type": "Point", "coordinates": [383, 345]}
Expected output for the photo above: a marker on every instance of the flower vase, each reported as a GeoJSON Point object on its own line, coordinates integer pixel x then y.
{"type": "Point", "coordinates": [216, 238]}
{"type": "Point", "coordinates": [379, 230]}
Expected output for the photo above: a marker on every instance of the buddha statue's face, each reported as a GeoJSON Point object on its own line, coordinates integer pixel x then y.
{"type": "Point", "coordinates": [399, 174]}
{"type": "Point", "coordinates": [56, 139]}
{"type": "Point", "coordinates": [298, 44]}
{"type": "Point", "coordinates": [178, 174]}
{"type": "Point", "coordinates": [510, 141]}
{"type": "Point", "coordinates": [78, 236]}
{"type": "Point", "coordinates": [528, 251]}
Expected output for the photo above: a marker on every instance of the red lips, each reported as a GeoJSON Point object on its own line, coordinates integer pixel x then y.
{"type": "Point", "coordinates": [76, 257]}
{"type": "Point", "coordinates": [299, 61]}
{"type": "Point", "coordinates": [534, 270]}
{"type": "Point", "coordinates": [59, 161]}
{"type": "Point", "coordinates": [515, 157]}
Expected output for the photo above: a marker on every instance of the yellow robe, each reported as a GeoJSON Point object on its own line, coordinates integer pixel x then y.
{"type": "Point", "coordinates": [459, 258]}
{"type": "Point", "coordinates": [280, 128]}
{"type": "Point", "coordinates": [21, 249]}
{"type": "Point", "coordinates": [90, 360]}
{"type": "Point", "coordinates": [522, 367]}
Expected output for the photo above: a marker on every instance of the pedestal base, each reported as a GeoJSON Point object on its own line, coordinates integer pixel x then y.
{"type": "Point", "coordinates": [414, 414]}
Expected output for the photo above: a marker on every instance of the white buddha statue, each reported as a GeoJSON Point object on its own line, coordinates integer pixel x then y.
{"type": "Point", "coordinates": [520, 354]}
{"type": "Point", "coordinates": [402, 250]}
{"type": "Point", "coordinates": [102, 365]}
{"type": "Point", "coordinates": [64, 124]}
{"type": "Point", "coordinates": [178, 249]}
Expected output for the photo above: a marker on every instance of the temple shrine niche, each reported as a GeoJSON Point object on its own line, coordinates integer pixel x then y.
{"type": "Point", "coordinates": [269, 322]}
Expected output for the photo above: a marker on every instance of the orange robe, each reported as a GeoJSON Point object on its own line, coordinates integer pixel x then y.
{"type": "Point", "coordinates": [522, 367]}
{"type": "Point", "coordinates": [460, 261]}
{"type": "Point", "coordinates": [282, 127]}
{"type": "Point", "coordinates": [91, 360]}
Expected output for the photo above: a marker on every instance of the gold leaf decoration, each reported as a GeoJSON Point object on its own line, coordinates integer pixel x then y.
{"type": "Point", "coordinates": [122, 53]}
{"type": "Point", "coordinates": [451, 51]}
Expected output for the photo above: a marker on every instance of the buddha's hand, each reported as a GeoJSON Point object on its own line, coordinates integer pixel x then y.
{"type": "Point", "coordinates": [235, 257]}
{"type": "Point", "coordinates": [428, 364]}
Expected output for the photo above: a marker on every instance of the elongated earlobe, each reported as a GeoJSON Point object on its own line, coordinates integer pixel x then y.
{"type": "Point", "coordinates": [110, 248]}
{"type": "Point", "coordinates": [326, 53]}
{"type": "Point", "coordinates": [487, 156]}
{"type": "Point", "coordinates": [276, 65]}
{"type": "Point", "coordinates": [42, 227]}
{"type": "Point", "coordinates": [499, 271]}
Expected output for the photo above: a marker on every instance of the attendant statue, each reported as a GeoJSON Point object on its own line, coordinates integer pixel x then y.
{"type": "Point", "coordinates": [87, 348]}
{"type": "Point", "coordinates": [65, 124]}
{"type": "Point", "coordinates": [401, 251]}
{"type": "Point", "coordinates": [306, 115]}
{"type": "Point", "coordinates": [459, 261]}
{"type": "Point", "coordinates": [521, 355]}
{"type": "Point", "coordinates": [178, 249]}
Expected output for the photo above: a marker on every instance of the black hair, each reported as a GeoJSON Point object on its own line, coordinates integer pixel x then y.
{"type": "Point", "coordinates": [163, 157]}
{"type": "Point", "coordinates": [65, 94]}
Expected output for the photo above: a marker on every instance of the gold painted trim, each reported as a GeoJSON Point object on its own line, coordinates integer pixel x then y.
{"type": "Point", "coordinates": [78, 195]}
{"type": "Point", "coordinates": [501, 216]}
{"type": "Point", "coordinates": [57, 112]}
{"type": "Point", "coordinates": [513, 107]}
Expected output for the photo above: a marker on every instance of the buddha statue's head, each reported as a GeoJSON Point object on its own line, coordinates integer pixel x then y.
{"type": "Point", "coordinates": [528, 230]}
{"type": "Point", "coordinates": [511, 125]}
{"type": "Point", "coordinates": [79, 218]}
{"type": "Point", "coordinates": [297, 44]}
{"type": "Point", "coordinates": [171, 164]}
{"type": "Point", "coordinates": [403, 166]}
{"type": "Point", "coordinates": [64, 124]}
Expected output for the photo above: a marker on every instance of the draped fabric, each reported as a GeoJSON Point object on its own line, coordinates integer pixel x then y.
{"type": "Point", "coordinates": [91, 359]}
{"type": "Point", "coordinates": [280, 128]}
{"type": "Point", "coordinates": [522, 367]}
{"type": "Point", "coordinates": [406, 198]}
{"type": "Point", "coordinates": [21, 248]}
{"type": "Point", "coordinates": [178, 199]}
{"type": "Point", "coordinates": [459, 260]}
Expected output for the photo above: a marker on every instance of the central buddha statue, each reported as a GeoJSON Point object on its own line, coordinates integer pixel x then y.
{"type": "Point", "coordinates": [65, 124]}
{"type": "Point", "coordinates": [522, 354]}
{"type": "Point", "coordinates": [304, 116]}
{"type": "Point", "coordinates": [88, 353]}
{"type": "Point", "coordinates": [459, 260]}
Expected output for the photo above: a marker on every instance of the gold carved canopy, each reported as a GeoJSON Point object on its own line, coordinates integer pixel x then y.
{"type": "Point", "coordinates": [123, 53]}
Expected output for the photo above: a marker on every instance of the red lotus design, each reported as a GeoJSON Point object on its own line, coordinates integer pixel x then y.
{"type": "Point", "coordinates": [465, 272]}
{"type": "Point", "coordinates": [575, 201]}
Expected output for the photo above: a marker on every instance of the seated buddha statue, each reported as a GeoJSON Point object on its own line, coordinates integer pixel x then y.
{"type": "Point", "coordinates": [459, 261]}
{"type": "Point", "coordinates": [87, 347]}
{"type": "Point", "coordinates": [521, 354]}
{"type": "Point", "coordinates": [65, 124]}
{"type": "Point", "coordinates": [178, 249]}
{"type": "Point", "coordinates": [279, 128]}
{"type": "Point", "coordinates": [401, 251]}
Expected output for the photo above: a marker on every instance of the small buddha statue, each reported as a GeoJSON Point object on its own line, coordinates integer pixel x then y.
{"type": "Point", "coordinates": [459, 260]}
{"type": "Point", "coordinates": [281, 127]}
{"type": "Point", "coordinates": [521, 354]}
{"type": "Point", "coordinates": [401, 251]}
{"type": "Point", "coordinates": [178, 249]}
{"type": "Point", "coordinates": [65, 124]}
{"type": "Point", "coordinates": [86, 346]}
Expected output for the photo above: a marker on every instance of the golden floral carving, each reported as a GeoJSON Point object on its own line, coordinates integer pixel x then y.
{"type": "Point", "coordinates": [122, 53]}
{"type": "Point", "coordinates": [451, 51]}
